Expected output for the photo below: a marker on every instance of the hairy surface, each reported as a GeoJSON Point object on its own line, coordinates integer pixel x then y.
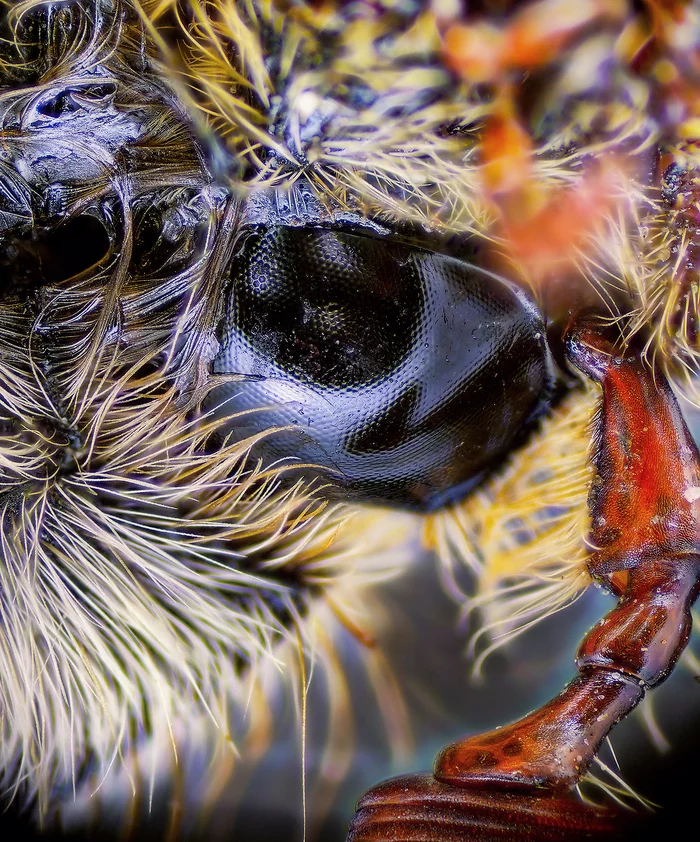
{"type": "Point", "coordinates": [146, 559]}
{"type": "Point", "coordinates": [150, 565]}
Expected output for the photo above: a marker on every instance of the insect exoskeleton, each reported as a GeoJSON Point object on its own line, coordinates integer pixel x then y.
{"type": "Point", "coordinates": [407, 374]}
{"type": "Point", "coordinates": [285, 287]}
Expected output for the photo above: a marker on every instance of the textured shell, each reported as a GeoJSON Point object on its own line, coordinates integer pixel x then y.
{"type": "Point", "coordinates": [156, 573]}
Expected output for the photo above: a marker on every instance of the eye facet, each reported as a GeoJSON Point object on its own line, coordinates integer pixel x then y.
{"type": "Point", "coordinates": [407, 374]}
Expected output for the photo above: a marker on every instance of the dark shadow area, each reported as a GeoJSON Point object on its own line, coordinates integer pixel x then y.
{"type": "Point", "coordinates": [30, 261]}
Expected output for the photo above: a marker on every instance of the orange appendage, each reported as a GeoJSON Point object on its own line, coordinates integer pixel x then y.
{"type": "Point", "coordinates": [417, 808]}
{"type": "Point", "coordinates": [646, 521]}
{"type": "Point", "coordinates": [516, 780]}
{"type": "Point", "coordinates": [551, 747]}
{"type": "Point", "coordinates": [645, 499]}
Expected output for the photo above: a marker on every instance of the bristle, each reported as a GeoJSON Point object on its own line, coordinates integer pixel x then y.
{"type": "Point", "coordinates": [151, 565]}
{"type": "Point", "coordinates": [155, 572]}
{"type": "Point", "coordinates": [523, 534]}
{"type": "Point", "coordinates": [360, 154]}
{"type": "Point", "coordinates": [365, 108]}
{"type": "Point", "coordinates": [149, 569]}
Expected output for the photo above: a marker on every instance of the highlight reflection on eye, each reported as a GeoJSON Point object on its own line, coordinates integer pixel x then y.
{"type": "Point", "coordinates": [408, 374]}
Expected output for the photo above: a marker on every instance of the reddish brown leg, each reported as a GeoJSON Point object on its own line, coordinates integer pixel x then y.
{"type": "Point", "coordinates": [645, 513]}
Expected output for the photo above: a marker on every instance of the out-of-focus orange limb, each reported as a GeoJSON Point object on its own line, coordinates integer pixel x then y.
{"type": "Point", "coordinates": [483, 52]}
{"type": "Point", "coordinates": [506, 154]}
{"type": "Point", "coordinates": [548, 239]}
{"type": "Point", "coordinates": [541, 230]}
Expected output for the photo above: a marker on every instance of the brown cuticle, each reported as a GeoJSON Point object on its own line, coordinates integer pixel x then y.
{"type": "Point", "coordinates": [647, 537]}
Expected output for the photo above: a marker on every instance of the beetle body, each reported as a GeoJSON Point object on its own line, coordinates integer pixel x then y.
{"type": "Point", "coordinates": [243, 293]}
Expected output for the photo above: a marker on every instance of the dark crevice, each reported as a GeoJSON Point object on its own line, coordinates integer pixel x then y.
{"type": "Point", "coordinates": [49, 256]}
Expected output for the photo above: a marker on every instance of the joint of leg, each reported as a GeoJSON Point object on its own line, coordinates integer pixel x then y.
{"type": "Point", "coordinates": [551, 747]}
{"type": "Point", "coordinates": [645, 634]}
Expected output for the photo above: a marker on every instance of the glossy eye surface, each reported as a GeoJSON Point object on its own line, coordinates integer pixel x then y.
{"type": "Point", "coordinates": [407, 374]}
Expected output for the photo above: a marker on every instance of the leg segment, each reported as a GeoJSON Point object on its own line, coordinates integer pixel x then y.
{"type": "Point", "coordinates": [417, 808]}
{"type": "Point", "coordinates": [645, 514]}
{"type": "Point", "coordinates": [645, 535]}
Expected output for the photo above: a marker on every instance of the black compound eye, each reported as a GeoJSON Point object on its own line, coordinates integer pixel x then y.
{"type": "Point", "coordinates": [333, 310]}
{"type": "Point", "coordinates": [406, 373]}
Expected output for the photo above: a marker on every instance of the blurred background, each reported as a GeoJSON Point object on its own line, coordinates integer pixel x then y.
{"type": "Point", "coordinates": [425, 644]}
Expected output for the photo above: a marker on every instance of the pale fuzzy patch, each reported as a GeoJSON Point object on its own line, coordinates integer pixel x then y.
{"type": "Point", "coordinates": [523, 534]}
{"type": "Point", "coordinates": [198, 773]}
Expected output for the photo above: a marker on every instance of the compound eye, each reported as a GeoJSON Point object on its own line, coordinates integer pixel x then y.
{"type": "Point", "coordinates": [406, 374]}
